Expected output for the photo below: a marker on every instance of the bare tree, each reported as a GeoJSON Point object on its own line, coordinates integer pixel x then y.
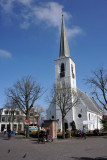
{"type": "Point", "coordinates": [40, 111]}
{"type": "Point", "coordinates": [65, 98]}
{"type": "Point", "coordinates": [24, 93]}
{"type": "Point", "coordinates": [98, 84]}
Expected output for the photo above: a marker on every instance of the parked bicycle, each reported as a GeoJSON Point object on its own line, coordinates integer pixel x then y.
{"type": "Point", "coordinates": [43, 137]}
{"type": "Point", "coordinates": [49, 138]}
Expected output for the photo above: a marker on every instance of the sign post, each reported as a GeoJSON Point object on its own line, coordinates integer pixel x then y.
{"type": "Point", "coordinates": [26, 121]}
{"type": "Point", "coordinates": [26, 126]}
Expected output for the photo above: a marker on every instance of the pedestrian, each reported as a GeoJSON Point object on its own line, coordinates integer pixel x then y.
{"type": "Point", "coordinates": [47, 133]}
{"type": "Point", "coordinates": [80, 132]}
{"type": "Point", "coordinates": [9, 133]}
{"type": "Point", "coordinates": [84, 132]}
{"type": "Point", "coordinates": [5, 130]}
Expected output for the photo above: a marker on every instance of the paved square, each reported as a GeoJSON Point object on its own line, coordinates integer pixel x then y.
{"type": "Point", "coordinates": [18, 148]}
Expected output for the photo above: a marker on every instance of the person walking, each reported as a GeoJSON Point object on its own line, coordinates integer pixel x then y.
{"type": "Point", "coordinates": [9, 133]}
{"type": "Point", "coordinates": [84, 132]}
{"type": "Point", "coordinates": [5, 130]}
{"type": "Point", "coordinates": [47, 133]}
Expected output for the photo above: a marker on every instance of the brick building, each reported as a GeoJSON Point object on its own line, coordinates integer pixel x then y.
{"type": "Point", "coordinates": [15, 119]}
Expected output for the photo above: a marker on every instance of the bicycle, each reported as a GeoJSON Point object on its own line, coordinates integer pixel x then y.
{"type": "Point", "coordinates": [49, 138]}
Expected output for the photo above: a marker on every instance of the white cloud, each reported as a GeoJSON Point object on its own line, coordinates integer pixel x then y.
{"type": "Point", "coordinates": [25, 2]}
{"type": "Point", "coordinates": [49, 13]}
{"type": "Point", "coordinates": [6, 5]}
{"type": "Point", "coordinates": [31, 14]}
{"type": "Point", "coordinates": [71, 33]}
{"type": "Point", "coordinates": [5, 54]}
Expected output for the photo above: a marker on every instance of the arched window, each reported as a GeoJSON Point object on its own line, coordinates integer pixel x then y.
{"type": "Point", "coordinates": [62, 73]}
{"type": "Point", "coordinates": [62, 67]}
{"type": "Point", "coordinates": [72, 69]}
{"type": "Point", "coordinates": [89, 116]}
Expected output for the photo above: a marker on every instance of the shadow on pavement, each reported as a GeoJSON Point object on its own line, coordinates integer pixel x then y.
{"type": "Point", "coordinates": [104, 137]}
{"type": "Point", "coordinates": [88, 158]}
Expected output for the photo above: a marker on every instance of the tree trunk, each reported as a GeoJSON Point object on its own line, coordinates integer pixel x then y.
{"type": "Point", "coordinates": [27, 126]}
{"type": "Point", "coordinates": [12, 120]}
{"type": "Point", "coordinates": [63, 128]}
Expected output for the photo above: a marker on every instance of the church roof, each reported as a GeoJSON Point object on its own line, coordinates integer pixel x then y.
{"type": "Point", "coordinates": [64, 48]}
{"type": "Point", "coordinates": [90, 103]}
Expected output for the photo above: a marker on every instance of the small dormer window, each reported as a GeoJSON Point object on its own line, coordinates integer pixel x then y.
{"type": "Point", "coordinates": [62, 73]}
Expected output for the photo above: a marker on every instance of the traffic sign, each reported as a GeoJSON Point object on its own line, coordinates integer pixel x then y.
{"type": "Point", "coordinates": [26, 121]}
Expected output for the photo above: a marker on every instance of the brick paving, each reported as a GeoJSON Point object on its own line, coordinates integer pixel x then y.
{"type": "Point", "coordinates": [19, 148]}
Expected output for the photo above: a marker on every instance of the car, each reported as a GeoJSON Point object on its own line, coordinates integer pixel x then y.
{"type": "Point", "coordinates": [34, 128]}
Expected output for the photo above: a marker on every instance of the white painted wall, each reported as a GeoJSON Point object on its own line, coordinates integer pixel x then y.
{"type": "Point", "coordinates": [96, 119]}
{"type": "Point", "coordinates": [68, 79]}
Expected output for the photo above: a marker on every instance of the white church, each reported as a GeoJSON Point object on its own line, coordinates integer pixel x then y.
{"type": "Point", "coordinates": [87, 112]}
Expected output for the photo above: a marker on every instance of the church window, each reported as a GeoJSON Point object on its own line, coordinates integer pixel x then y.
{"type": "Point", "coordinates": [62, 67]}
{"type": "Point", "coordinates": [89, 116]}
{"type": "Point", "coordinates": [79, 115]}
{"type": "Point", "coordinates": [62, 73]}
{"type": "Point", "coordinates": [52, 117]}
{"type": "Point", "coordinates": [72, 69]}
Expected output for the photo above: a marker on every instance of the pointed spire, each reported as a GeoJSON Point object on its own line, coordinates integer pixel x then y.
{"type": "Point", "coordinates": [64, 49]}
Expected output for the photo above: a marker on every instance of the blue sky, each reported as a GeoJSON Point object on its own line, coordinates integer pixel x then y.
{"type": "Point", "coordinates": [30, 38]}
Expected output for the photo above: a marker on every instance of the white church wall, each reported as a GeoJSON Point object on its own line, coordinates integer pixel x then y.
{"type": "Point", "coordinates": [85, 104]}
{"type": "Point", "coordinates": [68, 118]}
{"type": "Point", "coordinates": [80, 115]}
{"type": "Point", "coordinates": [95, 118]}
{"type": "Point", "coordinates": [68, 79]}
{"type": "Point", "coordinates": [59, 118]}
{"type": "Point", "coordinates": [51, 112]}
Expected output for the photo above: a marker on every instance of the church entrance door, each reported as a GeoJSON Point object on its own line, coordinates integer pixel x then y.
{"type": "Point", "coordinates": [66, 126]}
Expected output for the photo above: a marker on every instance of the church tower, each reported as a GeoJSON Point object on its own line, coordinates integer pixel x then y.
{"type": "Point", "coordinates": [86, 111]}
{"type": "Point", "coordinates": [64, 65]}
{"type": "Point", "coordinates": [65, 74]}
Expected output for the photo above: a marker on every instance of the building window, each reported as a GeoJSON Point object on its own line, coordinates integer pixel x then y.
{"type": "Point", "coordinates": [89, 116]}
{"type": "Point", "coordinates": [31, 113]}
{"type": "Point", "coordinates": [15, 119]}
{"type": "Point", "coordinates": [52, 117]}
{"type": "Point", "coordinates": [31, 120]}
{"type": "Point", "coordinates": [21, 119]}
{"type": "Point", "coordinates": [72, 69]}
{"type": "Point", "coordinates": [14, 126]}
{"type": "Point", "coordinates": [62, 67]}
{"type": "Point", "coordinates": [36, 113]}
{"type": "Point", "coordinates": [3, 119]}
{"type": "Point", "coordinates": [79, 115]}
{"type": "Point", "coordinates": [17, 112]}
{"type": "Point", "coordinates": [62, 73]}
{"type": "Point", "coordinates": [6, 112]}
{"type": "Point", "coordinates": [9, 119]}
